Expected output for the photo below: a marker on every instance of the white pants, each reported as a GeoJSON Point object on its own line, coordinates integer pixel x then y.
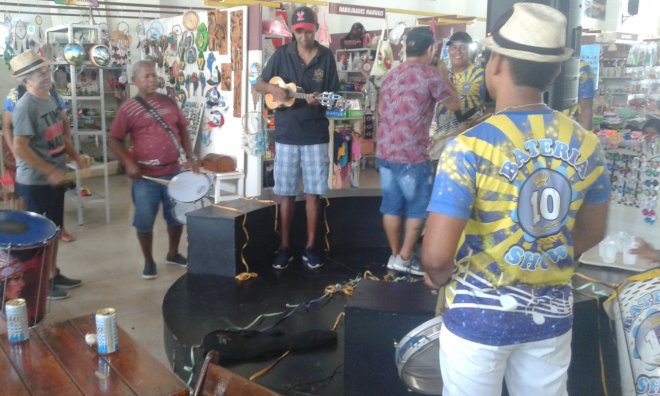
{"type": "Point", "coordinates": [537, 368]}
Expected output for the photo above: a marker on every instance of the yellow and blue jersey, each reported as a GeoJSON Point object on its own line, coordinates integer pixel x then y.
{"type": "Point", "coordinates": [470, 87]}
{"type": "Point", "coordinates": [586, 87]}
{"type": "Point", "coordinates": [519, 179]}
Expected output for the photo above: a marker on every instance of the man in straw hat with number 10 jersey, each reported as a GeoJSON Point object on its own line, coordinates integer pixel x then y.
{"type": "Point", "coordinates": [515, 200]}
{"type": "Point", "coordinates": [40, 143]}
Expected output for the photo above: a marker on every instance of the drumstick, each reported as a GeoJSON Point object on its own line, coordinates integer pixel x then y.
{"type": "Point", "coordinates": [157, 180]}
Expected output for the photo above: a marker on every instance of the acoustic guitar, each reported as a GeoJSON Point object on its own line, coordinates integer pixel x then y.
{"type": "Point", "coordinates": [327, 99]}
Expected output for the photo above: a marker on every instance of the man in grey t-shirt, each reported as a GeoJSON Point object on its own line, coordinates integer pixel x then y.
{"type": "Point", "coordinates": [41, 143]}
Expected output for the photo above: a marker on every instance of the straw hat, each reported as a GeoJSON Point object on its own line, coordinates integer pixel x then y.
{"type": "Point", "coordinates": [190, 20]}
{"type": "Point", "coordinates": [533, 32]}
{"type": "Point", "coordinates": [26, 63]}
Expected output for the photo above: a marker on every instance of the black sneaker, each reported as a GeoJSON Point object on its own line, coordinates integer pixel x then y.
{"type": "Point", "coordinates": [149, 271]}
{"type": "Point", "coordinates": [312, 259]}
{"type": "Point", "coordinates": [56, 292]}
{"type": "Point", "coordinates": [283, 258]}
{"type": "Point", "coordinates": [63, 282]}
{"type": "Point", "coordinates": [177, 260]}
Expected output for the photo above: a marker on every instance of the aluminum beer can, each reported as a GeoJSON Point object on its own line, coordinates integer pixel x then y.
{"type": "Point", "coordinates": [17, 320]}
{"type": "Point", "coordinates": [107, 340]}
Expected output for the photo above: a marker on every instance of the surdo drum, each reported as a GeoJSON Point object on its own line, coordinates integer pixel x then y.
{"type": "Point", "coordinates": [26, 252]}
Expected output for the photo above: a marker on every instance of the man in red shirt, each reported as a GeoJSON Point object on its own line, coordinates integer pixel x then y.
{"type": "Point", "coordinates": [155, 153]}
{"type": "Point", "coordinates": [405, 109]}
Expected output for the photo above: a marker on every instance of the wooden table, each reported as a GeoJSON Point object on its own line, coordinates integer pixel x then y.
{"type": "Point", "coordinates": [56, 360]}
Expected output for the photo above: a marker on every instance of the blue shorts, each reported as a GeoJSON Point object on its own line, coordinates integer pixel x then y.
{"type": "Point", "coordinates": [45, 200]}
{"type": "Point", "coordinates": [406, 188]}
{"type": "Point", "coordinates": [147, 196]}
{"type": "Point", "coordinates": [293, 162]}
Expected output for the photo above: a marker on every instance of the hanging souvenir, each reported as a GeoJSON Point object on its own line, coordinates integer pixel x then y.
{"type": "Point", "coordinates": [238, 89]}
{"type": "Point", "coordinates": [214, 80]}
{"type": "Point", "coordinates": [188, 38]}
{"type": "Point", "coordinates": [194, 81]}
{"type": "Point", "coordinates": [225, 77]}
{"type": "Point", "coordinates": [200, 61]}
{"type": "Point", "coordinates": [255, 72]}
{"type": "Point", "coordinates": [220, 33]}
{"type": "Point", "coordinates": [99, 55]}
{"type": "Point", "coordinates": [181, 96]}
{"type": "Point", "coordinates": [202, 81]}
{"type": "Point", "coordinates": [236, 40]}
{"type": "Point", "coordinates": [40, 31]}
{"type": "Point", "coordinates": [155, 29]}
{"type": "Point", "coordinates": [20, 32]}
{"type": "Point", "coordinates": [202, 38]}
{"type": "Point", "coordinates": [74, 54]}
{"type": "Point", "coordinates": [212, 97]}
{"type": "Point", "coordinates": [176, 30]}
{"type": "Point", "coordinates": [210, 60]}
{"type": "Point", "coordinates": [191, 56]}
{"type": "Point", "coordinates": [190, 20]}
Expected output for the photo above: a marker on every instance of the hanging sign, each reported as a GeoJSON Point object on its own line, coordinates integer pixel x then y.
{"type": "Point", "coordinates": [85, 3]}
{"type": "Point", "coordinates": [355, 10]}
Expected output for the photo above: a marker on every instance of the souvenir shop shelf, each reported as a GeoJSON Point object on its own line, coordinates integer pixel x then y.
{"type": "Point", "coordinates": [344, 152]}
{"type": "Point", "coordinates": [357, 60]}
{"type": "Point", "coordinates": [633, 165]}
{"type": "Point", "coordinates": [82, 85]}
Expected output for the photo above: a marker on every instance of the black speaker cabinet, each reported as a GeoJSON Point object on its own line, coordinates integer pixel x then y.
{"type": "Point", "coordinates": [563, 93]}
{"type": "Point", "coordinates": [216, 238]}
{"type": "Point", "coordinates": [378, 314]}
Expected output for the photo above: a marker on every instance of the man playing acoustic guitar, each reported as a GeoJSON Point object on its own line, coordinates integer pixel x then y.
{"type": "Point", "coordinates": [301, 130]}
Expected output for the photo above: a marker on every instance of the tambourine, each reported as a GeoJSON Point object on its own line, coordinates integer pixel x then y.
{"type": "Point", "coordinates": [99, 55]}
{"type": "Point", "coordinates": [74, 54]}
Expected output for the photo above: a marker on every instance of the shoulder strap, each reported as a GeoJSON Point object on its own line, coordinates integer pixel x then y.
{"type": "Point", "coordinates": [152, 112]}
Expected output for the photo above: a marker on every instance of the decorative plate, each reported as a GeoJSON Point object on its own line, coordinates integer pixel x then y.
{"type": "Point", "coordinates": [74, 54]}
{"type": "Point", "coordinates": [99, 55]}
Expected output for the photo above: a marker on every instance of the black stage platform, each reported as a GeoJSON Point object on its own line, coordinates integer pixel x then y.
{"type": "Point", "coordinates": [208, 298]}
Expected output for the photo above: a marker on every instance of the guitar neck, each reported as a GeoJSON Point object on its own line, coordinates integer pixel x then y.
{"type": "Point", "coordinates": [297, 95]}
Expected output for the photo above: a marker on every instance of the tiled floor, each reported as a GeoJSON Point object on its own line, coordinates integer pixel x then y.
{"type": "Point", "coordinates": [107, 258]}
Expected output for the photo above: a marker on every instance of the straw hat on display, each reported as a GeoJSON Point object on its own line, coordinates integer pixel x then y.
{"type": "Point", "coordinates": [26, 63]}
{"type": "Point", "coordinates": [533, 32]}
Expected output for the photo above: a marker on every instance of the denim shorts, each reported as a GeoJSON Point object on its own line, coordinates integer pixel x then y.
{"type": "Point", "coordinates": [147, 196]}
{"type": "Point", "coordinates": [406, 188]}
{"type": "Point", "coordinates": [293, 163]}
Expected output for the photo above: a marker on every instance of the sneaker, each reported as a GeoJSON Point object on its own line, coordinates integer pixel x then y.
{"type": "Point", "coordinates": [56, 293]}
{"type": "Point", "coordinates": [178, 259]}
{"type": "Point", "coordinates": [283, 258]}
{"type": "Point", "coordinates": [412, 266]}
{"type": "Point", "coordinates": [66, 237]}
{"type": "Point", "coordinates": [390, 262]}
{"type": "Point", "coordinates": [149, 271]}
{"type": "Point", "coordinates": [312, 259]}
{"type": "Point", "coordinates": [63, 282]}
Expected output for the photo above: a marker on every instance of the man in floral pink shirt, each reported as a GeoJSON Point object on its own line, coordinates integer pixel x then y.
{"type": "Point", "coordinates": [407, 98]}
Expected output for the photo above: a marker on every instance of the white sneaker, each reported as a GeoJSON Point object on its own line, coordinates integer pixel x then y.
{"type": "Point", "coordinates": [390, 262]}
{"type": "Point", "coordinates": [412, 266]}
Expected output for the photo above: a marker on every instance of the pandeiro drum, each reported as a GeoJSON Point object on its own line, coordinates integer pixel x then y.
{"type": "Point", "coordinates": [26, 252]}
{"type": "Point", "coordinates": [417, 358]}
{"type": "Point", "coordinates": [188, 186]}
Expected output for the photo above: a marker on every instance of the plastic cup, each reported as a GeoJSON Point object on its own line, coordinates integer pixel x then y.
{"type": "Point", "coordinates": [630, 258]}
{"type": "Point", "coordinates": [609, 250]}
